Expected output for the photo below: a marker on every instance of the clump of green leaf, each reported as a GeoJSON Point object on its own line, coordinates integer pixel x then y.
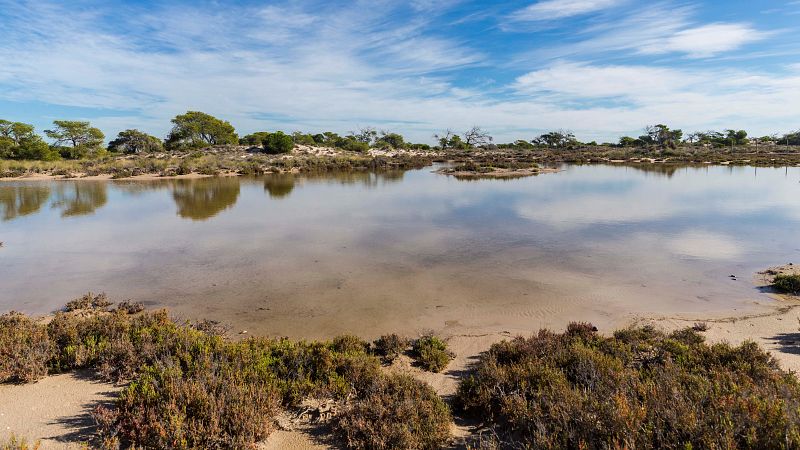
{"type": "Point", "coordinates": [432, 353]}
{"type": "Point", "coordinates": [787, 283]}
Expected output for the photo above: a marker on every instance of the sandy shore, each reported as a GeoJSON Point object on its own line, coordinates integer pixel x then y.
{"type": "Point", "coordinates": [56, 409]}
{"type": "Point", "coordinates": [106, 177]}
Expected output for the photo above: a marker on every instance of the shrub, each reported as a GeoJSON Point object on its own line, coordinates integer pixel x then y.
{"type": "Point", "coordinates": [390, 346]}
{"type": "Point", "coordinates": [24, 349]}
{"type": "Point", "coordinates": [277, 143]}
{"type": "Point", "coordinates": [210, 404]}
{"type": "Point", "coordinates": [309, 369]}
{"type": "Point", "coordinates": [395, 412]}
{"type": "Point", "coordinates": [431, 353]}
{"type": "Point", "coordinates": [130, 307]}
{"type": "Point", "coordinates": [350, 344]}
{"type": "Point", "coordinates": [787, 283]}
{"type": "Point", "coordinates": [640, 388]}
{"type": "Point", "coordinates": [88, 301]}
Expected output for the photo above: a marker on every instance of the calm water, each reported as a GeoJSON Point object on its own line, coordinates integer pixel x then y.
{"type": "Point", "coordinates": [315, 256]}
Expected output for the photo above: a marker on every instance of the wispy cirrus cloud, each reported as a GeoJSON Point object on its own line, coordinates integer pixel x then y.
{"type": "Point", "coordinates": [415, 68]}
{"type": "Point", "coordinates": [560, 9]}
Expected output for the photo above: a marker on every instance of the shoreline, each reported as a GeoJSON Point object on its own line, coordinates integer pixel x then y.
{"type": "Point", "coordinates": [773, 325]}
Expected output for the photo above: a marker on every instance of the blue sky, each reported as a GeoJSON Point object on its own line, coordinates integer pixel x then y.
{"type": "Point", "coordinates": [601, 68]}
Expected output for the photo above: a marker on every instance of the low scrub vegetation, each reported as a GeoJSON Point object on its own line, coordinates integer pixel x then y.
{"type": "Point", "coordinates": [190, 387]}
{"type": "Point", "coordinates": [390, 346]}
{"type": "Point", "coordinates": [395, 412]}
{"type": "Point", "coordinates": [639, 389]}
{"type": "Point", "coordinates": [431, 353]}
{"type": "Point", "coordinates": [25, 349]}
{"type": "Point", "coordinates": [787, 283]}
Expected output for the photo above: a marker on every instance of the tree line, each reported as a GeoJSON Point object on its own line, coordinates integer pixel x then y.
{"type": "Point", "coordinates": [72, 139]}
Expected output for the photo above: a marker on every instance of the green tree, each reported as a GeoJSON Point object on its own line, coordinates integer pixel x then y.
{"type": "Point", "coordinates": [300, 138]}
{"type": "Point", "coordinates": [734, 137]}
{"type": "Point", "coordinates": [19, 141]}
{"type": "Point", "coordinates": [392, 140]}
{"type": "Point", "coordinates": [557, 139]}
{"type": "Point", "coordinates": [278, 142]}
{"type": "Point", "coordinates": [627, 141]}
{"type": "Point", "coordinates": [255, 139]}
{"type": "Point", "coordinates": [135, 141]}
{"type": "Point", "coordinates": [197, 129]}
{"type": "Point", "coordinates": [77, 138]}
{"type": "Point", "coordinates": [660, 135]}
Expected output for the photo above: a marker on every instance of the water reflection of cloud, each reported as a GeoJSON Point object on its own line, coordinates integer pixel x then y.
{"type": "Point", "coordinates": [598, 195]}
{"type": "Point", "coordinates": [704, 245]}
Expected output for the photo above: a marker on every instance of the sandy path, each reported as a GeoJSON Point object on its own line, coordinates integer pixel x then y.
{"type": "Point", "coordinates": [55, 410]}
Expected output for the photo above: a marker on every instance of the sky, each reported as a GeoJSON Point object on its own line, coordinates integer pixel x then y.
{"type": "Point", "coordinates": [599, 68]}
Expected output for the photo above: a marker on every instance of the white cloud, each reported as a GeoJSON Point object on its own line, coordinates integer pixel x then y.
{"type": "Point", "coordinates": [704, 245]}
{"type": "Point", "coordinates": [705, 41]}
{"type": "Point", "coordinates": [297, 67]}
{"type": "Point", "coordinates": [559, 9]}
{"type": "Point", "coordinates": [582, 80]}
{"type": "Point", "coordinates": [655, 29]}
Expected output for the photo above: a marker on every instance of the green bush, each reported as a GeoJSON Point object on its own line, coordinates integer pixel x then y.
{"type": "Point", "coordinates": [390, 346]}
{"type": "Point", "coordinates": [640, 388]}
{"type": "Point", "coordinates": [431, 353]}
{"type": "Point", "coordinates": [278, 143]}
{"type": "Point", "coordinates": [395, 412]}
{"type": "Point", "coordinates": [25, 349]}
{"type": "Point", "coordinates": [787, 283]}
{"type": "Point", "coordinates": [350, 344]}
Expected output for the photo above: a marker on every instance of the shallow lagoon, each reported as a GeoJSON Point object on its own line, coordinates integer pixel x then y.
{"type": "Point", "coordinates": [313, 256]}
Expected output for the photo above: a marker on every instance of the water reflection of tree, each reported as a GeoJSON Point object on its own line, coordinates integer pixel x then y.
{"type": "Point", "coordinates": [365, 178]}
{"type": "Point", "coordinates": [204, 198]}
{"type": "Point", "coordinates": [80, 197]}
{"type": "Point", "coordinates": [22, 200]}
{"type": "Point", "coordinates": [279, 185]}
{"type": "Point", "coordinates": [663, 169]}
